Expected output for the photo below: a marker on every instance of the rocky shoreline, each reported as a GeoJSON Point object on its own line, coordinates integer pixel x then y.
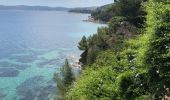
{"type": "Point", "coordinates": [93, 20]}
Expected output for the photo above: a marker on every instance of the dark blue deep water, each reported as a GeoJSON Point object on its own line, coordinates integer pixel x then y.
{"type": "Point", "coordinates": [33, 45]}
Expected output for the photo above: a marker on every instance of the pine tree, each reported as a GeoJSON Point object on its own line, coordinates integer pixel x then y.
{"type": "Point", "coordinates": [83, 43]}
{"type": "Point", "coordinates": [64, 79]}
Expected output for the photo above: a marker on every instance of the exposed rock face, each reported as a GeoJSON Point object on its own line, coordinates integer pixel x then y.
{"type": "Point", "coordinates": [94, 48]}
{"type": "Point", "coordinates": [126, 29]}
{"type": "Point", "coordinates": [120, 32]}
{"type": "Point", "coordinates": [87, 53]}
{"type": "Point", "coordinates": [83, 57]}
{"type": "Point", "coordinates": [123, 31]}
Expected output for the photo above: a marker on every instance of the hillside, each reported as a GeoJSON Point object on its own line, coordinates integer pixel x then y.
{"type": "Point", "coordinates": [103, 13]}
{"type": "Point", "coordinates": [88, 10]}
{"type": "Point", "coordinates": [94, 11]}
{"type": "Point", "coordinates": [129, 59]}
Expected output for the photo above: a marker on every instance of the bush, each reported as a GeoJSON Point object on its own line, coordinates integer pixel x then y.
{"type": "Point", "coordinates": [97, 81]}
{"type": "Point", "coordinates": [158, 54]}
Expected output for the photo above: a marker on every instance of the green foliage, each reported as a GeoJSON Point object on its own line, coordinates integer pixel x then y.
{"type": "Point", "coordinates": [132, 85]}
{"type": "Point", "coordinates": [107, 80]}
{"type": "Point", "coordinates": [96, 86]}
{"type": "Point", "coordinates": [87, 10]}
{"type": "Point", "coordinates": [134, 55]}
{"type": "Point", "coordinates": [140, 69]}
{"type": "Point", "coordinates": [104, 13]}
{"type": "Point", "coordinates": [91, 57]}
{"type": "Point", "coordinates": [95, 83]}
{"type": "Point", "coordinates": [95, 44]}
{"type": "Point", "coordinates": [131, 10]}
{"type": "Point", "coordinates": [114, 22]}
{"type": "Point", "coordinates": [99, 39]}
{"type": "Point", "coordinates": [64, 80]}
{"type": "Point", "coordinates": [119, 29]}
{"type": "Point", "coordinates": [83, 43]}
{"type": "Point", "coordinates": [66, 73]}
{"type": "Point", "coordinates": [158, 58]}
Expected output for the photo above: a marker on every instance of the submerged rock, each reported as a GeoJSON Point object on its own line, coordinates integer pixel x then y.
{"type": "Point", "coordinates": [6, 64]}
{"type": "Point", "coordinates": [2, 96]}
{"type": "Point", "coordinates": [25, 58]}
{"type": "Point", "coordinates": [8, 72]}
{"type": "Point", "coordinates": [49, 62]}
{"type": "Point", "coordinates": [35, 88]}
{"type": "Point", "coordinates": [46, 93]}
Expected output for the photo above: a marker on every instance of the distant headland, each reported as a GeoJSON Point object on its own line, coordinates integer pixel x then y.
{"type": "Point", "coordinates": [25, 7]}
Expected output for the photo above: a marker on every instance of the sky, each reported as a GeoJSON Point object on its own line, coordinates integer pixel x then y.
{"type": "Point", "coordinates": [56, 3]}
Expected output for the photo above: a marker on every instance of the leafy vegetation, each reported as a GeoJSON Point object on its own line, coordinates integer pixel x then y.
{"type": "Point", "coordinates": [125, 61]}
{"type": "Point", "coordinates": [158, 55]}
{"type": "Point", "coordinates": [64, 79]}
{"type": "Point", "coordinates": [131, 10]}
{"type": "Point", "coordinates": [87, 10]}
{"type": "Point", "coordinates": [103, 13]}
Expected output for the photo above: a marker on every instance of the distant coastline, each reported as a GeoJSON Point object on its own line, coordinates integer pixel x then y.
{"type": "Point", "coordinates": [47, 8]}
{"type": "Point", "coordinates": [87, 10]}
{"type": "Point", "coordinates": [93, 20]}
{"type": "Point", "coordinates": [83, 10]}
{"type": "Point", "coordinates": [24, 7]}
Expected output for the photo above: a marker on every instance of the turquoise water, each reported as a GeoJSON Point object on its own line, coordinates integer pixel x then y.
{"type": "Point", "coordinates": [33, 45]}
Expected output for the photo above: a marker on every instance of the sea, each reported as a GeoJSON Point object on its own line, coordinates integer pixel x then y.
{"type": "Point", "coordinates": [33, 46]}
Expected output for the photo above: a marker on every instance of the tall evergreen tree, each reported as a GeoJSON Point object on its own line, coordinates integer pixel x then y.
{"type": "Point", "coordinates": [64, 79]}
{"type": "Point", "coordinates": [83, 43]}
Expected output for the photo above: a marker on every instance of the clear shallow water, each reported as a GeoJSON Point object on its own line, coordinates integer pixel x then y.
{"type": "Point", "coordinates": [33, 45]}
